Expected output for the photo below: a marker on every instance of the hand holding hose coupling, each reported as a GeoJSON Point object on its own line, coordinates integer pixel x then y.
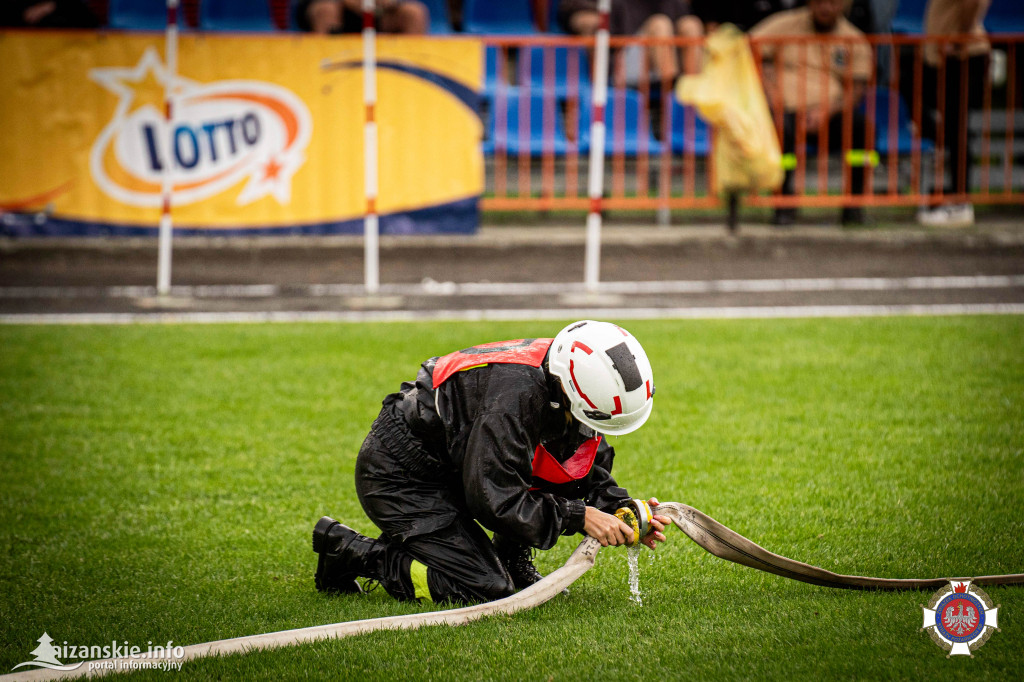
{"type": "Point", "coordinates": [606, 528]}
{"type": "Point", "coordinates": [647, 527]}
{"type": "Point", "coordinates": [659, 523]}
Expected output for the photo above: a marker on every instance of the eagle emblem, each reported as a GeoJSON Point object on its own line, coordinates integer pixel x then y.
{"type": "Point", "coordinates": [960, 622]}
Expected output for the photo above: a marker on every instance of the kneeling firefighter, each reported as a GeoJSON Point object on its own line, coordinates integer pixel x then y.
{"type": "Point", "coordinates": [507, 434]}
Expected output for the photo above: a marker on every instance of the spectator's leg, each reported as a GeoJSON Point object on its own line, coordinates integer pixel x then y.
{"type": "Point", "coordinates": [931, 115]}
{"type": "Point", "coordinates": [323, 16]}
{"type": "Point", "coordinates": [583, 23]}
{"type": "Point", "coordinates": [50, 14]}
{"type": "Point", "coordinates": [409, 16]}
{"type": "Point", "coordinates": [945, 112]}
{"type": "Point", "coordinates": [455, 14]}
{"type": "Point", "coordinates": [787, 216]}
{"type": "Point", "coordinates": [857, 142]}
{"type": "Point", "coordinates": [861, 172]}
{"type": "Point", "coordinates": [690, 26]}
{"type": "Point", "coordinates": [662, 56]}
{"type": "Point", "coordinates": [851, 215]}
{"type": "Point", "coordinates": [979, 71]}
{"type": "Point", "coordinates": [975, 70]}
{"type": "Point", "coordinates": [351, 21]}
{"type": "Point", "coordinates": [954, 129]}
{"type": "Point", "coordinates": [929, 100]}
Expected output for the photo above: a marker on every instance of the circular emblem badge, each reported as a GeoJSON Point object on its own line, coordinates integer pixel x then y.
{"type": "Point", "coordinates": [960, 617]}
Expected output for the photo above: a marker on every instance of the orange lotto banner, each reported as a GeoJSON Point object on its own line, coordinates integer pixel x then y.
{"type": "Point", "coordinates": [267, 133]}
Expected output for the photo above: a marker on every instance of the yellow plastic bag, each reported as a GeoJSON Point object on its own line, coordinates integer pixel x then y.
{"type": "Point", "coordinates": [728, 94]}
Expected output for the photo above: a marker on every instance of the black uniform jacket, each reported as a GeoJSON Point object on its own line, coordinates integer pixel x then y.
{"type": "Point", "coordinates": [482, 427]}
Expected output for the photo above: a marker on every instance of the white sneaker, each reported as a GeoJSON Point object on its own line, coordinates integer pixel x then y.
{"type": "Point", "coordinates": [947, 215]}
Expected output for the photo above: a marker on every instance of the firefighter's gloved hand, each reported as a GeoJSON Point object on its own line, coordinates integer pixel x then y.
{"type": "Point", "coordinates": [607, 529]}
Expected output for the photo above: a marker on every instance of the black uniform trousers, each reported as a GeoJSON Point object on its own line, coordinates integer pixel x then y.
{"type": "Point", "coordinates": [423, 515]}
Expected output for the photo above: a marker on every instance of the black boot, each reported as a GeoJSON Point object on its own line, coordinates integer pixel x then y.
{"type": "Point", "coordinates": [343, 556]}
{"type": "Point", "coordinates": [517, 561]}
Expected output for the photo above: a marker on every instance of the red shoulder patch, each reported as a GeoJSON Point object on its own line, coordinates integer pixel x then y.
{"type": "Point", "coordinates": [516, 352]}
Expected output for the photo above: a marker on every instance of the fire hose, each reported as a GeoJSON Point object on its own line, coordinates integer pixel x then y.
{"type": "Point", "coordinates": [727, 544]}
{"type": "Point", "coordinates": [714, 537]}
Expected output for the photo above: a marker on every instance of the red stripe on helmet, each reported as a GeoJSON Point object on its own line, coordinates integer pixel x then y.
{"type": "Point", "coordinates": [582, 346]}
{"type": "Point", "coordinates": [618, 406]}
{"type": "Point", "coordinates": [578, 389]}
{"type": "Point", "coordinates": [648, 383]}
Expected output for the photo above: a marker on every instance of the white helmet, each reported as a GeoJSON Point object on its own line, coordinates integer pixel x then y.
{"type": "Point", "coordinates": [606, 374]}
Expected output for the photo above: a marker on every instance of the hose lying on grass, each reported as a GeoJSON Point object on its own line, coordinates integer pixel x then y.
{"type": "Point", "coordinates": [581, 561]}
{"type": "Point", "coordinates": [727, 544]}
{"type": "Point", "coordinates": [698, 526]}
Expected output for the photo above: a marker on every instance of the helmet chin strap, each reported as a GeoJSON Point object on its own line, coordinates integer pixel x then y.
{"type": "Point", "coordinates": [556, 394]}
{"type": "Point", "coordinates": [560, 399]}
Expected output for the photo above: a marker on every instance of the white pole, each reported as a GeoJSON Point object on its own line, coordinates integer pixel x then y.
{"type": "Point", "coordinates": [595, 187]}
{"type": "Point", "coordinates": [163, 266]}
{"type": "Point", "coordinates": [371, 228]}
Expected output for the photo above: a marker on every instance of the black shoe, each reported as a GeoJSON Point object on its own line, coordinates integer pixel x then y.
{"type": "Point", "coordinates": [342, 556]}
{"type": "Point", "coordinates": [518, 561]}
{"type": "Point", "coordinates": [852, 216]}
{"type": "Point", "coordinates": [784, 217]}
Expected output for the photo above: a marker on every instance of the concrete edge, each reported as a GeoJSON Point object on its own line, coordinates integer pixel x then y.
{"type": "Point", "coordinates": [983, 235]}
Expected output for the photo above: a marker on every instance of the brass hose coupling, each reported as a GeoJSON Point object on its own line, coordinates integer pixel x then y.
{"type": "Point", "coordinates": [637, 515]}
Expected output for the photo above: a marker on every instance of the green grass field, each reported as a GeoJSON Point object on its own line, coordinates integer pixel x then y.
{"type": "Point", "coordinates": [160, 483]}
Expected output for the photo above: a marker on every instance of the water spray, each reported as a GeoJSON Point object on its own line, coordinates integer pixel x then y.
{"type": "Point", "coordinates": [637, 515]}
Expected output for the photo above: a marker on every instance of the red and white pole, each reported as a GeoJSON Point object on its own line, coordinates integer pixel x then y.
{"type": "Point", "coordinates": [595, 186]}
{"type": "Point", "coordinates": [163, 267]}
{"type": "Point", "coordinates": [371, 227]}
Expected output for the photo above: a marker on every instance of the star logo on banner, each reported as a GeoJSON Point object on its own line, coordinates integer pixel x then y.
{"type": "Point", "coordinates": [143, 85]}
{"type": "Point", "coordinates": [226, 134]}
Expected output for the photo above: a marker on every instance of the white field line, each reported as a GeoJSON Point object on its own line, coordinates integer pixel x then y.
{"type": "Point", "coordinates": [432, 288]}
{"type": "Point", "coordinates": [747, 312]}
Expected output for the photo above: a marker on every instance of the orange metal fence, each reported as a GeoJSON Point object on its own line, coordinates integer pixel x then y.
{"type": "Point", "coordinates": [661, 154]}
